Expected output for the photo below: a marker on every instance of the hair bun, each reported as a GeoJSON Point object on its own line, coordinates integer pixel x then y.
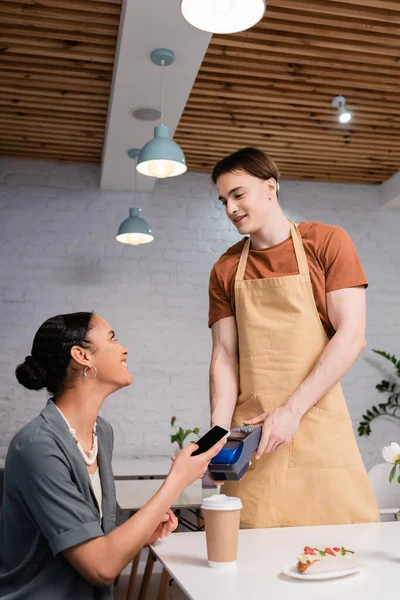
{"type": "Point", "coordinates": [31, 374]}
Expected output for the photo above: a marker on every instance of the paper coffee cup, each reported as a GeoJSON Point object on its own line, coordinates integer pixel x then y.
{"type": "Point", "coordinates": [222, 519]}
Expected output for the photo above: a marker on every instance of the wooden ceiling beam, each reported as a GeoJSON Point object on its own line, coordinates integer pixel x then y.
{"type": "Point", "coordinates": [284, 96]}
{"type": "Point", "coordinates": [285, 15]}
{"type": "Point", "coordinates": [30, 69]}
{"type": "Point", "coordinates": [245, 76]}
{"type": "Point", "coordinates": [315, 68]}
{"type": "Point", "coordinates": [254, 57]}
{"type": "Point", "coordinates": [65, 85]}
{"type": "Point", "coordinates": [91, 7]}
{"type": "Point", "coordinates": [59, 25]}
{"type": "Point", "coordinates": [274, 113]}
{"type": "Point", "coordinates": [20, 33]}
{"type": "Point", "coordinates": [38, 11]}
{"type": "Point", "coordinates": [296, 49]}
{"type": "Point", "coordinates": [343, 9]}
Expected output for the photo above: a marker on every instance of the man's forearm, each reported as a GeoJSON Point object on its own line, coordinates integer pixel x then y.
{"type": "Point", "coordinates": [224, 389]}
{"type": "Point", "coordinates": [337, 358]}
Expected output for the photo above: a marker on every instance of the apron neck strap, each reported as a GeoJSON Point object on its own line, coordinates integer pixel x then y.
{"type": "Point", "coordinates": [243, 261]}
{"type": "Point", "coordinates": [298, 250]}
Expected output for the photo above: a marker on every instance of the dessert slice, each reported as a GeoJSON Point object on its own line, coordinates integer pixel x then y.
{"type": "Point", "coordinates": [313, 560]}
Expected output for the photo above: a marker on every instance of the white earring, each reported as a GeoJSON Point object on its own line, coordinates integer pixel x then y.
{"type": "Point", "coordinates": [85, 372]}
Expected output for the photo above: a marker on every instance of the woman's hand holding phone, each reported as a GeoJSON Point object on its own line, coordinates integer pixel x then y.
{"type": "Point", "coordinates": [187, 468]}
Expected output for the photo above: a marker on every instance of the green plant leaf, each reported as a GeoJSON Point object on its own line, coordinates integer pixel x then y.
{"type": "Point", "coordinates": [398, 479]}
{"type": "Point", "coordinates": [392, 473]}
{"type": "Point", "coordinates": [196, 430]}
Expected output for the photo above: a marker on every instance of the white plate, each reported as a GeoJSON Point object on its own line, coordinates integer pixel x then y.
{"type": "Point", "coordinates": [291, 571]}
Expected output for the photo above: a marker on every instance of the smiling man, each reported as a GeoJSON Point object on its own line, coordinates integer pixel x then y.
{"type": "Point", "coordinates": [287, 313]}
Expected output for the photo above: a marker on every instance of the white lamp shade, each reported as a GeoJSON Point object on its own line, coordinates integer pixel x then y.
{"type": "Point", "coordinates": [223, 16]}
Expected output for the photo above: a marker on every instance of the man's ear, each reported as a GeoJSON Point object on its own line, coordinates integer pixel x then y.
{"type": "Point", "coordinates": [271, 184]}
{"type": "Point", "coordinates": [81, 355]}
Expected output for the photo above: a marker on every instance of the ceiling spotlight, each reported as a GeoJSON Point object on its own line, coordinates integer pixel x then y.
{"type": "Point", "coordinates": [223, 16]}
{"type": "Point", "coordinates": [145, 113]}
{"type": "Point", "coordinates": [339, 103]}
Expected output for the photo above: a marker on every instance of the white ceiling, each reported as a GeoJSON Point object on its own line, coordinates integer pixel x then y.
{"type": "Point", "coordinates": [146, 25]}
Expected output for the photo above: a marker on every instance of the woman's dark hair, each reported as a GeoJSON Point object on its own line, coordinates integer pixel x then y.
{"type": "Point", "coordinates": [254, 161]}
{"type": "Point", "coordinates": [51, 351]}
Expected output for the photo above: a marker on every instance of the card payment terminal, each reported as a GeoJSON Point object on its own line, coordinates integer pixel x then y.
{"type": "Point", "coordinates": [232, 461]}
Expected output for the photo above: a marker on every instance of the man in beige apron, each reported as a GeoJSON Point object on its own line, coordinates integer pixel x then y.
{"type": "Point", "coordinates": [318, 477]}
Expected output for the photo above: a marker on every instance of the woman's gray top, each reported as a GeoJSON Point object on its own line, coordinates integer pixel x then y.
{"type": "Point", "coordinates": [49, 506]}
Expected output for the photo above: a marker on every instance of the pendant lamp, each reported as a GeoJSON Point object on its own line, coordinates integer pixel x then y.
{"type": "Point", "coordinates": [161, 157]}
{"type": "Point", "coordinates": [223, 16]}
{"type": "Point", "coordinates": [134, 230]}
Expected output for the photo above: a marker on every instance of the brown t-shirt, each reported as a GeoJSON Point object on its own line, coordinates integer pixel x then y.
{"type": "Point", "coordinates": [332, 260]}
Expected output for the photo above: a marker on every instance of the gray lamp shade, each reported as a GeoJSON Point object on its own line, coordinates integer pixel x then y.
{"type": "Point", "coordinates": [134, 230]}
{"type": "Point", "coordinates": [161, 157]}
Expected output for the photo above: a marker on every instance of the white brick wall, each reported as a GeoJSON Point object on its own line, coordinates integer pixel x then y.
{"type": "Point", "coordinates": [59, 254]}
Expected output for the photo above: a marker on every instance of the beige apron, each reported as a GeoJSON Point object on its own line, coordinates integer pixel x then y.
{"type": "Point", "coordinates": [319, 478]}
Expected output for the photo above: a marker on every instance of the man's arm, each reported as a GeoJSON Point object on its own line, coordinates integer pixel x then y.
{"type": "Point", "coordinates": [347, 313]}
{"type": "Point", "coordinates": [224, 373]}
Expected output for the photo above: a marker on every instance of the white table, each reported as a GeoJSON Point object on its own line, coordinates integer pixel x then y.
{"type": "Point", "coordinates": [264, 552]}
{"type": "Point", "coordinates": [133, 494]}
{"type": "Point", "coordinates": [126, 468]}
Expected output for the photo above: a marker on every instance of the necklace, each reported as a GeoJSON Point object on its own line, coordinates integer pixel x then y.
{"type": "Point", "coordinates": [88, 456]}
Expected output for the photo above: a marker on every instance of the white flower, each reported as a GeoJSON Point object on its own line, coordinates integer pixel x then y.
{"type": "Point", "coordinates": [391, 453]}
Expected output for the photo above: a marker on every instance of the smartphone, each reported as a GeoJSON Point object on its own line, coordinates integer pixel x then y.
{"type": "Point", "coordinates": [210, 438]}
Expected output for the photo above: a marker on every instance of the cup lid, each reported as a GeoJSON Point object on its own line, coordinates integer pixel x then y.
{"type": "Point", "coordinates": [222, 502]}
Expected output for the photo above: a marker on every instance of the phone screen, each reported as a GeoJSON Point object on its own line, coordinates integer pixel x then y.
{"type": "Point", "coordinates": [210, 438]}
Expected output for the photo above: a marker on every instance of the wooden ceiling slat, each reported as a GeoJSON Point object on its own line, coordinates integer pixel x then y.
{"type": "Point", "coordinates": [301, 150]}
{"type": "Point", "coordinates": [281, 133]}
{"type": "Point", "coordinates": [90, 6]}
{"type": "Point", "coordinates": [30, 69]}
{"type": "Point", "coordinates": [21, 33]}
{"type": "Point", "coordinates": [343, 9]}
{"type": "Point", "coordinates": [59, 14]}
{"type": "Point", "coordinates": [327, 33]}
{"type": "Point", "coordinates": [235, 74]}
{"type": "Point", "coordinates": [254, 57]}
{"type": "Point", "coordinates": [37, 42]}
{"type": "Point", "coordinates": [64, 85]}
{"type": "Point", "coordinates": [285, 15]}
{"type": "Point", "coordinates": [76, 66]}
{"type": "Point", "coordinates": [55, 117]}
{"type": "Point", "coordinates": [48, 129]}
{"type": "Point", "coordinates": [40, 51]}
{"type": "Point", "coordinates": [285, 45]}
{"type": "Point", "coordinates": [281, 94]}
{"type": "Point", "coordinates": [366, 122]}
{"type": "Point", "coordinates": [14, 93]}
{"type": "Point", "coordinates": [374, 43]}
{"type": "Point", "coordinates": [311, 68]}
{"type": "Point", "coordinates": [59, 25]}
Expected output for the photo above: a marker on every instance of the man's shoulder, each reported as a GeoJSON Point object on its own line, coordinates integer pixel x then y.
{"type": "Point", "coordinates": [321, 233]}
{"type": "Point", "coordinates": [230, 257]}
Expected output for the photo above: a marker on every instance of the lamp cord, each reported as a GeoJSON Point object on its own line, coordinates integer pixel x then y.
{"type": "Point", "coordinates": [162, 91]}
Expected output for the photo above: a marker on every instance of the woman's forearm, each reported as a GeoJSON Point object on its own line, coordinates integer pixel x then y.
{"type": "Point", "coordinates": [102, 559]}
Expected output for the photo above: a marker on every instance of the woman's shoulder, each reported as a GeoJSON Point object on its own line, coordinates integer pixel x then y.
{"type": "Point", "coordinates": [32, 443]}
